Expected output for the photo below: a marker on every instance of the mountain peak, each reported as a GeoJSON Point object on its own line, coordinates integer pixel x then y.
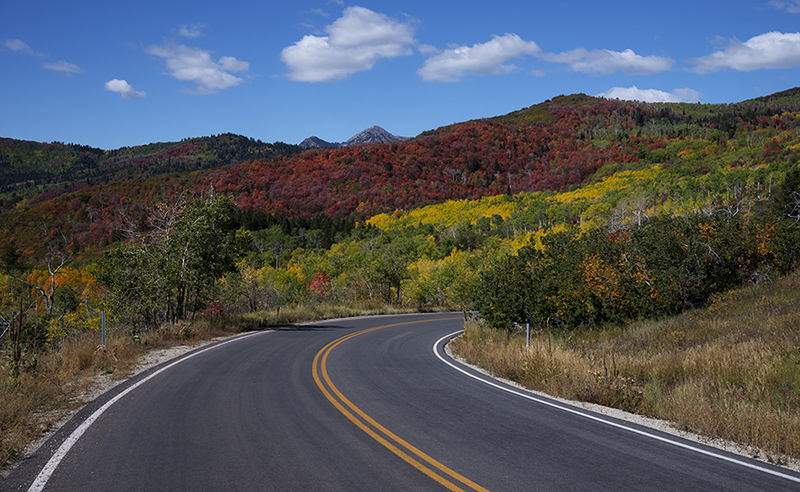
{"type": "Point", "coordinates": [374, 134]}
{"type": "Point", "coordinates": [314, 142]}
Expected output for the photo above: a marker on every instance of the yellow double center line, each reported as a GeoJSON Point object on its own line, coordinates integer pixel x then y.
{"type": "Point", "coordinates": [387, 438]}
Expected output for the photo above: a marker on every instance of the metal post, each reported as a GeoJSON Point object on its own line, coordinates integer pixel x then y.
{"type": "Point", "coordinates": [103, 317]}
{"type": "Point", "coordinates": [527, 336]}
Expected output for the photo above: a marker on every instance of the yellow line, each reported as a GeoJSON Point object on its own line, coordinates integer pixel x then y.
{"type": "Point", "coordinates": [320, 361]}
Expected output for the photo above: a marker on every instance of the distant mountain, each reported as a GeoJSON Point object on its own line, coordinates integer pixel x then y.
{"type": "Point", "coordinates": [374, 134]}
{"type": "Point", "coordinates": [315, 142]}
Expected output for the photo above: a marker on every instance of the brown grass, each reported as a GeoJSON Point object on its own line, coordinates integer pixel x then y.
{"type": "Point", "coordinates": [50, 384]}
{"type": "Point", "coordinates": [730, 371]}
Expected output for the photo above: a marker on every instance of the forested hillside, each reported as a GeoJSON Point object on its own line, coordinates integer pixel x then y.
{"type": "Point", "coordinates": [577, 212]}
{"type": "Point", "coordinates": [441, 220]}
{"type": "Point", "coordinates": [33, 172]}
{"type": "Point", "coordinates": [560, 144]}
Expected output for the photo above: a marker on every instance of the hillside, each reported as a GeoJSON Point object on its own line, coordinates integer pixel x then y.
{"type": "Point", "coordinates": [33, 172]}
{"type": "Point", "coordinates": [557, 145]}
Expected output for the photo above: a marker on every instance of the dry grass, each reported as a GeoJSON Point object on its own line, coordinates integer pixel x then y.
{"type": "Point", "coordinates": [301, 314]}
{"type": "Point", "coordinates": [731, 371]}
{"type": "Point", "coordinates": [53, 382]}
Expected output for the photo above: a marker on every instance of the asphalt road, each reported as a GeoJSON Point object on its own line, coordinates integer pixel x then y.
{"type": "Point", "coordinates": [367, 404]}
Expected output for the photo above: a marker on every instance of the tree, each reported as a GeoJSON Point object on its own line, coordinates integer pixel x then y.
{"type": "Point", "coordinates": [320, 285]}
{"type": "Point", "coordinates": [17, 305]}
{"type": "Point", "coordinates": [26, 289]}
{"type": "Point", "coordinates": [169, 272]}
{"type": "Point", "coordinates": [388, 267]}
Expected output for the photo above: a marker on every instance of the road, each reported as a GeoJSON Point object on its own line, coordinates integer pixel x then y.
{"type": "Point", "coordinates": [364, 404]}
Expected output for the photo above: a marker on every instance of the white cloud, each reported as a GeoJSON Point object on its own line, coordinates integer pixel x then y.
{"type": "Point", "coordinates": [480, 59]}
{"type": "Point", "coordinates": [63, 66]}
{"type": "Point", "coordinates": [791, 7]}
{"type": "Point", "coordinates": [770, 50]}
{"type": "Point", "coordinates": [124, 89]}
{"type": "Point", "coordinates": [491, 59]}
{"type": "Point", "coordinates": [192, 31]}
{"type": "Point", "coordinates": [354, 42]}
{"type": "Point", "coordinates": [651, 95]}
{"type": "Point", "coordinates": [196, 65]}
{"type": "Point", "coordinates": [605, 62]}
{"type": "Point", "coordinates": [18, 46]}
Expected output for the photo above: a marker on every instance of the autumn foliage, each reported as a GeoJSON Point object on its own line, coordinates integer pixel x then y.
{"type": "Point", "coordinates": [430, 219]}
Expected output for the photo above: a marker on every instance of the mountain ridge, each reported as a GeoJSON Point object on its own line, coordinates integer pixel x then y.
{"type": "Point", "coordinates": [559, 144]}
{"type": "Point", "coordinates": [373, 134]}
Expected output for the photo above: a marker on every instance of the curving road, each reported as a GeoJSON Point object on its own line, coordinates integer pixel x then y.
{"type": "Point", "coordinates": [366, 404]}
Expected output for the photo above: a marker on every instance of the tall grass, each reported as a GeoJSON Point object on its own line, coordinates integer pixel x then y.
{"type": "Point", "coordinates": [731, 371]}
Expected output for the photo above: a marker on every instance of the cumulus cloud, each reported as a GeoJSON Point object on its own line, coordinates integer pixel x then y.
{"type": "Point", "coordinates": [63, 66]}
{"type": "Point", "coordinates": [651, 95]}
{"type": "Point", "coordinates": [196, 65]}
{"type": "Point", "coordinates": [606, 62]}
{"type": "Point", "coordinates": [770, 50]}
{"type": "Point", "coordinates": [19, 46]}
{"type": "Point", "coordinates": [491, 59]}
{"type": "Point", "coordinates": [124, 89]}
{"type": "Point", "coordinates": [480, 59]}
{"type": "Point", "coordinates": [354, 42]}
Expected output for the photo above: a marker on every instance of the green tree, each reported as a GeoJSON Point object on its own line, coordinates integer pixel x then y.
{"type": "Point", "coordinates": [387, 265]}
{"type": "Point", "coordinates": [171, 271]}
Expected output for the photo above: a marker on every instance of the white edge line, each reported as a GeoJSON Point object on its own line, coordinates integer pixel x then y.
{"type": "Point", "coordinates": [55, 460]}
{"type": "Point", "coordinates": [608, 422]}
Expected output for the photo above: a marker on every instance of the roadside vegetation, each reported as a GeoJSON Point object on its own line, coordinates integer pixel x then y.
{"type": "Point", "coordinates": [729, 371]}
{"type": "Point", "coordinates": [592, 220]}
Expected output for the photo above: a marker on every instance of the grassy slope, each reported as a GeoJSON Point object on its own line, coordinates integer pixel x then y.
{"type": "Point", "coordinates": [730, 371]}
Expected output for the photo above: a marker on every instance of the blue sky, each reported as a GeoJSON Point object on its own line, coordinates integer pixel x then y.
{"type": "Point", "coordinates": [113, 74]}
